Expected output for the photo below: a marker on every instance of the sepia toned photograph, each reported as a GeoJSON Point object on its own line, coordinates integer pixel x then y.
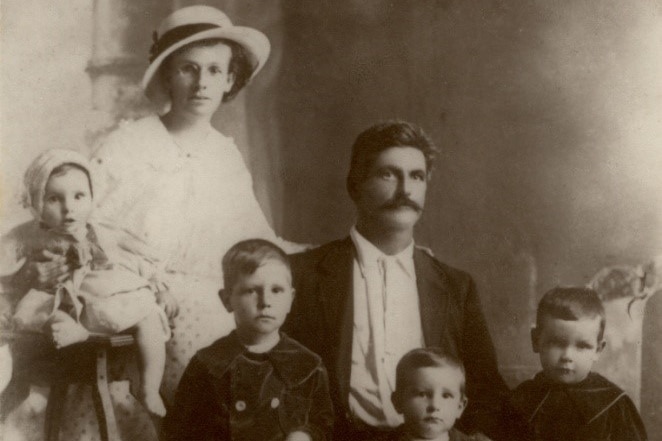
{"type": "Point", "coordinates": [385, 220]}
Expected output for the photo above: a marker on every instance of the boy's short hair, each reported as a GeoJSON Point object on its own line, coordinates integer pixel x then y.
{"type": "Point", "coordinates": [246, 256]}
{"type": "Point", "coordinates": [426, 357]}
{"type": "Point", "coordinates": [372, 141]}
{"type": "Point", "coordinates": [571, 303]}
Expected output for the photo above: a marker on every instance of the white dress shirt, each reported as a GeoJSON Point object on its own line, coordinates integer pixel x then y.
{"type": "Point", "coordinates": [387, 324]}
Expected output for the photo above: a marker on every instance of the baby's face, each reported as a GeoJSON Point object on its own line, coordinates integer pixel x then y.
{"type": "Point", "coordinates": [67, 201]}
{"type": "Point", "coordinates": [431, 401]}
{"type": "Point", "coordinates": [568, 348]}
{"type": "Point", "coordinates": [261, 301]}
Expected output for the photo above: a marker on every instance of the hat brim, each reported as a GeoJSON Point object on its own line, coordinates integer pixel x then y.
{"type": "Point", "coordinates": [254, 42]}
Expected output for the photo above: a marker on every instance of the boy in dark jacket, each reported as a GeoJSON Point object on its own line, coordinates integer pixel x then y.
{"type": "Point", "coordinates": [566, 401]}
{"type": "Point", "coordinates": [256, 383]}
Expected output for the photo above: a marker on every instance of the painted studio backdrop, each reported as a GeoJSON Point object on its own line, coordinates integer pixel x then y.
{"type": "Point", "coordinates": [548, 116]}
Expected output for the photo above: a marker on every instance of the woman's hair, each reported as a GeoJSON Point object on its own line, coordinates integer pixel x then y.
{"type": "Point", "coordinates": [371, 142]}
{"type": "Point", "coordinates": [247, 256]}
{"type": "Point", "coordinates": [571, 303]}
{"type": "Point", "coordinates": [240, 66]}
{"type": "Point", "coordinates": [422, 358]}
{"type": "Point", "coordinates": [64, 168]}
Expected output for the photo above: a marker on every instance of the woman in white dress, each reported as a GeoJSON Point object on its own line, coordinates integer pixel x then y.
{"type": "Point", "coordinates": [181, 187]}
{"type": "Point", "coordinates": [178, 184]}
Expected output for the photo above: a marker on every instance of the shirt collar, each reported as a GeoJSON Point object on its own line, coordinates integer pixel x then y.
{"type": "Point", "coordinates": [368, 255]}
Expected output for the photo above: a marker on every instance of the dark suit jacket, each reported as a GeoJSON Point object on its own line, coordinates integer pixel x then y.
{"type": "Point", "coordinates": [322, 319]}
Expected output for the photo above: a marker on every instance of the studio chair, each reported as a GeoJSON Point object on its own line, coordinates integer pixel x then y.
{"type": "Point", "coordinates": [95, 362]}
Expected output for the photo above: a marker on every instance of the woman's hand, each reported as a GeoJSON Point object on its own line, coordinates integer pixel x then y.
{"type": "Point", "coordinates": [45, 271]}
{"type": "Point", "coordinates": [166, 301]}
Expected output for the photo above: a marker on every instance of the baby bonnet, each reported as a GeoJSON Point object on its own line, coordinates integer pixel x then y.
{"type": "Point", "coordinates": [37, 174]}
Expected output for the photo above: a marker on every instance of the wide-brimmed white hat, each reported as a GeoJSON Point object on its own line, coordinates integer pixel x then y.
{"type": "Point", "coordinates": [195, 23]}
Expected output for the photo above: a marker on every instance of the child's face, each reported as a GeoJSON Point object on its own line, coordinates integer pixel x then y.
{"type": "Point", "coordinates": [431, 400]}
{"type": "Point", "coordinates": [260, 301]}
{"type": "Point", "coordinates": [67, 201]}
{"type": "Point", "coordinates": [567, 348]}
{"type": "Point", "coordinates": [198, 78]}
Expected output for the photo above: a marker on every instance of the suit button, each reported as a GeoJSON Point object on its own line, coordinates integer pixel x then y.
{"type": "Point", "coordinates": [275, 402]}
{"type": "Point", "coordinates": [240, 405]}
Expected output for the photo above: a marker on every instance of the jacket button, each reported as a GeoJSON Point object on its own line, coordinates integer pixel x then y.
{"type": "Point", "coordinates": [240, 405]}
{"type": "Point", "coordinates": [275, 402]}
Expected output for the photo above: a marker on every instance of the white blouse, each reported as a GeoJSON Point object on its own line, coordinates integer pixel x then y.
{"type": "Point", "coordinates": [189, 207]}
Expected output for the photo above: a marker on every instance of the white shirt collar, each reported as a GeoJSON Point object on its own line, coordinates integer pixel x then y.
{"type": "Point", "coordinates": [368, 254]}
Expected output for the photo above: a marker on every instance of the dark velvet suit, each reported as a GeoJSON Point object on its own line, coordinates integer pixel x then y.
{"type": "Point", "coordinates": [322, 319]}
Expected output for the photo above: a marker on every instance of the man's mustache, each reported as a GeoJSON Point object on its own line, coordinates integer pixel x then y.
{"type": "Point", "coordinates": [401, 201]}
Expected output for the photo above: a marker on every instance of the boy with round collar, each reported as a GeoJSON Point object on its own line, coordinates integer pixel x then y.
{"type": "Point", "coordinates": [255, 383]}
{"type": "Point", "coordinates": [567, 401]}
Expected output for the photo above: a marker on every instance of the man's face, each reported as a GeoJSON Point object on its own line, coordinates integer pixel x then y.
{"type": "Point", "coordinates": [392, 196]}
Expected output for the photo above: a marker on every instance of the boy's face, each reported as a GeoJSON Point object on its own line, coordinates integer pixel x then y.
{"type": "Point", "coordinates": [260, 301]}
{"type": "Point", "coordinates": [567, 348]}
{"type": "Point", "coordinates": [198, 78]}
{"type": "Point", "coordinates": [67, 201]}
{"type": "Point", "coordinates": [431, 400]}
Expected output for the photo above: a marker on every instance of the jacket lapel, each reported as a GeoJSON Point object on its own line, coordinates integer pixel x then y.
{"type": "Point", "coordinates": [336, 284]}
{"type": "Point", "coordinates": [433, 298]}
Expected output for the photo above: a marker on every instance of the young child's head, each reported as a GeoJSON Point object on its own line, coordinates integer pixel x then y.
{"type": "Point", "coordinates": [257, 288]}
{"type": "Point", "coordinates": [59, 190]}
{"type": "Point", "coordinates": [430, 392]}
{"type": "Point", "coordinates": [569, 333]}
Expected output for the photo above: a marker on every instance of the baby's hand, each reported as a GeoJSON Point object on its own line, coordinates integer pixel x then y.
{"type": "Point", "coordinates": [298, 435]}
{"type": "Point", "coordinates": [169, 304]}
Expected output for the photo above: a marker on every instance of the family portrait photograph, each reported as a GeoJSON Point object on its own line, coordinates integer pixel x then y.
{"type": "Point", "coordinates": [370, 220]}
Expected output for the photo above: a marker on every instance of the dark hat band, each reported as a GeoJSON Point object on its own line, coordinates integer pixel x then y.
{"type": "Point", "coordinates": [174, 35]}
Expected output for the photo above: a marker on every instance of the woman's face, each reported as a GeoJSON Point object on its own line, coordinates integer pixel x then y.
{"type": "Point", "coordinates": [197, 78]}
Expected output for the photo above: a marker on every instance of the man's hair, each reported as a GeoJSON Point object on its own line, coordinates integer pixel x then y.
{"type": "Point", "coordinates": [422, 358]}
{"type": "Point", "coordinates": [571, 303]}
{"type": "Point", "coordinates": [240, 65]}
{"type": "Point", "coordinates": [371, 142]}
{"type": "Point", "coordinates": [247, 256]}
{"type": "Point", "coordinates": [66, 167]}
